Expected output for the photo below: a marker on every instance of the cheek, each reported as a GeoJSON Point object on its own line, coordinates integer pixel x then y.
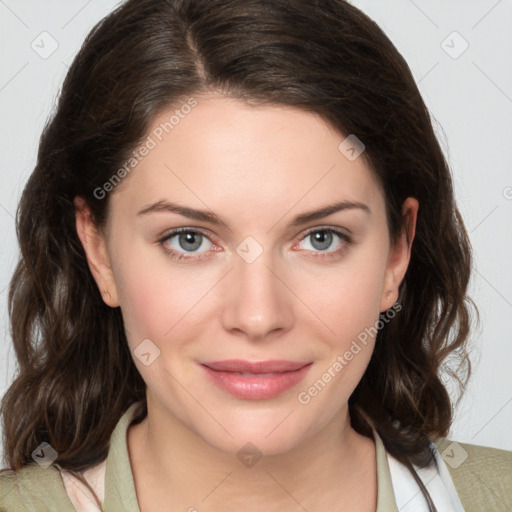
{"type": "Point", "coordinates": [158, 301]}
{"type": "Point", "coordinates": [145, 292]}
{"type": "Point", "coordinates": [346, 297]}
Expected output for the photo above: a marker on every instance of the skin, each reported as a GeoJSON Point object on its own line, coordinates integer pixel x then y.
{"type": "Point", "coordinates": [257, 168]}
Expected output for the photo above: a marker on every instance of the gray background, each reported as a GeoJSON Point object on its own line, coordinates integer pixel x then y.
{"type": "Point", "coordinates": [469, 94]}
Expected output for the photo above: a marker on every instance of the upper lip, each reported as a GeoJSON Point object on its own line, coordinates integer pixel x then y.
{"type": "Point", "coordinates": [239, 365]}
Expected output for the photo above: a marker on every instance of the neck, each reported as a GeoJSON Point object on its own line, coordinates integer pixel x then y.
{"type": "Point", "coordinates": [334, 468]}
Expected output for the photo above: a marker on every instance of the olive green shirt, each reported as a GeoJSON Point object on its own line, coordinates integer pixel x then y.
{"type": "Point", "coordinates": [483, 481]}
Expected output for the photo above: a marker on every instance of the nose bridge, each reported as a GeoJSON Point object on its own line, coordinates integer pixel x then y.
{"type": "Point", "coordinates": [259, 302]}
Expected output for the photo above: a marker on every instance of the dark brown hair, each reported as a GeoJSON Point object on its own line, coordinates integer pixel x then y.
{"type": "Point", "coordinates": [76, 374]}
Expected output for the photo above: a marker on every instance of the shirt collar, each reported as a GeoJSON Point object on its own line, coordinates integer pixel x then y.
{"type": "Point", "coordinates": [120, 487]}
{"type": "Point", "coordinates": [119, 484]}
{"type": "Point", "coordinates": [385, 495]}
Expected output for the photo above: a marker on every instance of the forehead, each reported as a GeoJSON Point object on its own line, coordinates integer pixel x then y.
{"type": "Point", "coordinates": [222, 152]}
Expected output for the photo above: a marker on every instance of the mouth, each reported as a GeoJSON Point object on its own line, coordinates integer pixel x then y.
{"type": "Point", "coordinates": [256, 380]}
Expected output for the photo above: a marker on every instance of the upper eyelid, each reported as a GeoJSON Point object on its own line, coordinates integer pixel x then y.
{"type": "Point", "coordinates": [328, 228]}
{"type": "Point", "coordinates": [176, 231]}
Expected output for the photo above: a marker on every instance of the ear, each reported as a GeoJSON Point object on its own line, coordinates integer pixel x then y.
{"type": "Point", "coordinates": [95, 248]}
{"type": "Point", "coordinates": [399, 255]}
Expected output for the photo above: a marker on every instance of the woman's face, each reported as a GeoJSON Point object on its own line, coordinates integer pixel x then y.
{"type": "Point", "coordinates": [254, 279]}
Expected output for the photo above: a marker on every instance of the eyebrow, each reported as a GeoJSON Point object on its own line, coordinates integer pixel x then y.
{"type": "Point", "coordinates": [208, 216]}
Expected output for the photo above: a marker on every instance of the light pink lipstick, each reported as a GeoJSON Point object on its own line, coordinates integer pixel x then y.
{"type": "Point", "coordinates": [256, 380]}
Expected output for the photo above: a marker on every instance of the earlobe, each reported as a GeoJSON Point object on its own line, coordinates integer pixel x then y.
{"type": "Point", "coordinates": [95, 249]}
{"type": "Point", "coordinates": [399, 255]}
{"type": "Point", "coordinates": [389, 297]}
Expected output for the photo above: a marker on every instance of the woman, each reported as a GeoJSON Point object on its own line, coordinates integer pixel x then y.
{"type": "Point", "coordinates": [290, 357]}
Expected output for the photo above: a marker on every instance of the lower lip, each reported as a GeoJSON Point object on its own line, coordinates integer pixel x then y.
{"type": "Point", "coordinates": [256, 388]}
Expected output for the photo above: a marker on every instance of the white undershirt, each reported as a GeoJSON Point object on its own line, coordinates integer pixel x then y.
{"type": "Point", "coordinates": [437, 480]}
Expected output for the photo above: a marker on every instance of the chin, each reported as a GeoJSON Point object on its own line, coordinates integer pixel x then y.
{"type": "Point", "coordinates": [264, 432]}
{"type": "Point", "coordinates": [244, 443]}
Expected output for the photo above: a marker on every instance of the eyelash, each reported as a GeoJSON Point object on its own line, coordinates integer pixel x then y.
{"type": "Point", "coordinates": [318, 255]}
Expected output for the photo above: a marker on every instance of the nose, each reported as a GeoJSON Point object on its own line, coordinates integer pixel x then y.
{"type": "Point", "coordinates": [258, 302]}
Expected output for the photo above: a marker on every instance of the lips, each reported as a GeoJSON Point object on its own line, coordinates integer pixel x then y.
{"type": "Point", "coordinates": [256, 367]}
{"type": "Point", "coordinates": [256, 380]}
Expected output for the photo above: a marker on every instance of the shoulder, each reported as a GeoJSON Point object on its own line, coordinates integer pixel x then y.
{"type": "Point", "coordinates": [33, 488]}
{"type": "Point", "coordinates": [482, 476]}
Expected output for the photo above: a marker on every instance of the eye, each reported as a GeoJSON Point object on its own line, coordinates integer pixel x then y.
{"type": "Point", "coordinates": [323, 238]}
{"type": "Point", "coordinates": [184, 243]}
{"type": "Point", "coordinates": [181, 241]}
